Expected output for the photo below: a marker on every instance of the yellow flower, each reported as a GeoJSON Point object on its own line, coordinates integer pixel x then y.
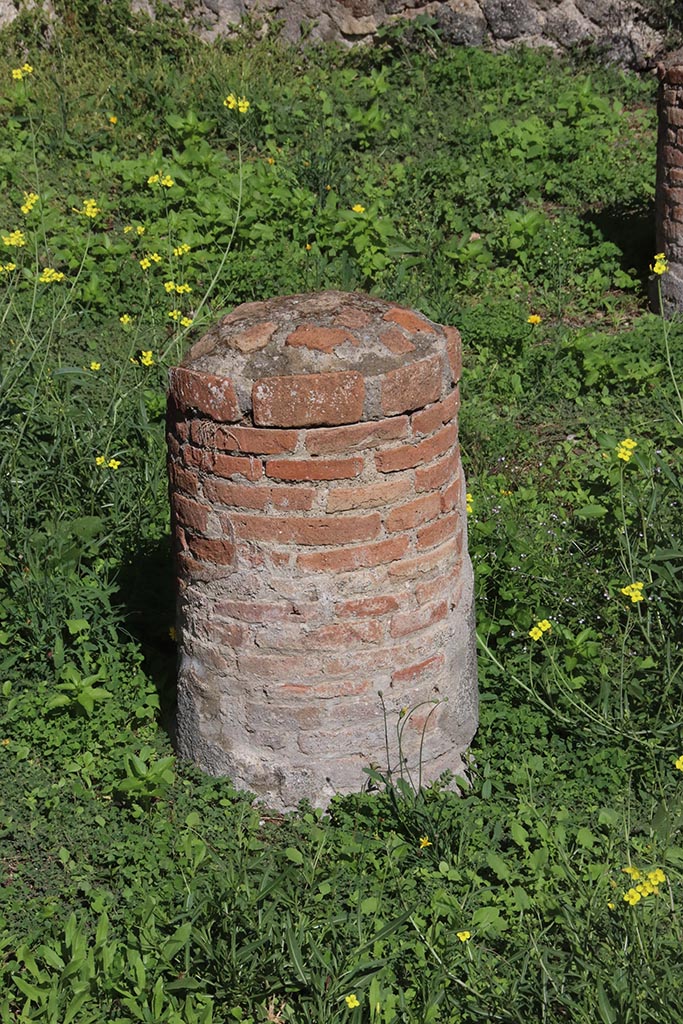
{"type": "Point", "coordinates": [470, 503]}
{"type": "Point", "coordinates": [126, 319]}
{"type": "Point", "coordinates": [270, 160]}
{"type": "Point", "coordinates": [7, 267]}
{"type": "Point", "coordinates": [243, 105]}
{"type": "Point", "coordinates": [90, 208]}
{"type": "Point", "coordinates": [678, 763]}
{"type": "Point", "coordinates": [145, 263]}
{"type": "Point", "coordinates": [660, 265]}
{"type": "Point", "coordinates": [634, 591]}
{"type": "Point", "coordinates": [183, 289]}
{"type": "Point", "coordinates": [18, 73]}
{"type": "Point", "coordinates": [186, 321]}
{"type": "Point", "coordinates": [175, 314]}
{"type": "Point", "coordinates": [154, 256]}
{"type": "Point", "coordinates": [358, 208]}
{"type": "Point", "coordinates": [95, 366]}
{"type": "Point", "coordinates": [172, 633]}
{"type": "Point", "coordinates": [533, 319]}
{"type": "Point", "coordinates": [464, 936]}
{"type": "Point", "coordinates": [626, 448]}
{"type": "Point", "coordinates": [535, 633]}
{"type": "Point", "coordinates": [140, 229]}
{"type": "Point", "coordinates": [351, 1002]}
{"type": "Point", "coordinates": [424, 841]}
{"type": "Point", "coordinates": [147, 358]}
{"type": "Point", "coordinates": [113, 119]}
{"type": "Point", "coordinates": [153, 179]}
{"type": "Point", "coordinates": [544, 625]}
{"type": "Point", "coordinates": [49, 275]}
{"type": "Point", "coordinates": [100, 460]}
{"type": "Point", "coordinates": [632, 872]}
{"type": "Point", "coordinates": [632, 897]}
{"type": "Point", "coordinates": [181, 250]}
{"type": "Point", "coordinates": [27, 69]}
{"type": "Point", "coordinates": [5, 743]}
{"type": "Point", "coordinates": [167, 181]}
{"type": "Point", "coordinates": [656, 877]}
{"type": "Point", "coordinates": [114, 463]}
{"type": "Point", "coordinates": [15, 239]}
{"type": "Point", "coordinates": [30, 200]}
{"type": "Point", "coordinates": [169, 286]}
{"type": "Point", "coordinates": [239, 103]}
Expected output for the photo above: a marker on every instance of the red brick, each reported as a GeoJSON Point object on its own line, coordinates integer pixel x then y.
{"type": "Point", "coordinates": [324, 339]}
{"type": "Point", "coordinates": [676, 175]}
{"type": "Point", "coordinates": [674, 115]}
{"type": "Point", "coordinates": [250, 440]}
{"type": "Point", "coordinates": [222, 492]}
{"type": "Point", "coordinates": [332, 440]}
{"type": "Point", "coordinates": [396, 341]}
{"type": "Point", "coordinates": [256, 611]}
{"type": "Point", "coordinates": [295, 499]}
{"type": "Point", "coordinates": [438, 532]}
{"type": "Point", "coordinates": [213, 396]}
{"type": "Point", "coordinates": [192, 571]}
{"type": "Point", "coordinates": [408, 622]}
{"type": "Point", "coordinates": [674, 75]}
{"type": "Point", "coordinates": [314, 530]}
{"type": "Point", "coordinates": [346, 634]}
{"type": "Point", "coordinates": [183, 479]}
{"type": "Point", "coordinates": [190, 513]}
{"type": "Point", "coordinates": [434, 416]}
{"type": "Point", "coordinates": [220, 552]}
{"type": "Point", "coordinates": [308, 399]}
{"type": "Point", "coordinates": [362, 557]}
{"type": "Point", "coordinates": [229, 633]}
{"type": "Point", "coordinates": [417, 454]}
{"type": "Point", "coordinates": [377, 495]}
{"type": "Point", "coordinates": [413, 513]}
{"type": "Point", "coordinates": [173, 446]}
{"type": "Point", "coordinates": [314, 469]}
{"type": "Point", "coordinates": [411, 386]}
{"type": "Point", "coordinates": [454, 350]}
{"type": "Point", "coordinates": [414, 672]}
{"type": "Point", "coordinates": [228, 466]}
{"type": "Point", "coordinates": [264, 667]}
{"type": "Point", "coordinates": [352, 318]}
{"type": "Point", "coordinates": [250, 339]}
{"type": "Point", "coordinates": [452, 497]}
{"type": "Point", "coordinates": [411, 321]}
{"type": "Point", "coordinates": [672, 157]}
{"type": "Point", "coordinates": [431, 478]}
{"type": "Point", "coordinates": [414, 568]}
{"type": "Point", "coordinates": [367, 606]}
{"type": "Point", "coordinates": [329, 688]}
{"type": "Point", "coordinates": [445, 584]}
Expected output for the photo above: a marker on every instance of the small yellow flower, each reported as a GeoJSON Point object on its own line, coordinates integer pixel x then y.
{"type": "Point", "coordinates": [18, 73]}
{"type": "Point", "coordinates": [14, 239]}
{"type": "Point", "coordinates": [181, 250]}
{"type": "Point", "coordinates": [626, 448]}
{"type": "Point", "coordinates": [172, 633]}
{"type": "Point", "coordinates": [5, 743]}
{"type": "Point", "coordinates": [544, 625]}
{"type": "Point", "coordinates": [113, 119]}
{"type": "Point", "coordinates": [183, 289]}
{"type": "Point", "coordinates": [270, 160]}
{"type": "Point", "coordinates": [145, 263]}
{"type": "Point", "coordinates": [358, 208]}
{"type": "Point", "coordinates": [49, 276]}
{"type": "Point", "coordinates": [634, 591]}
{"type": "Point", "coordinates": [154, 179]}
{"type": "Point", "coordinates": [7, 267]}
{"type": "Point", "coordinates": [128, 228]}
{"type": "Point", "coordinates": [239, 103]}
{"type": "Point", "coordinates": [30, 200]}
{"type": "Point", "coordinates": [656, 877]}
{"type": "Point", "coordinates": [95, 366]}
{"type": "Point", "coordinates": [424, 841]}
{"type": "Point", "coordinates": [126, 319]}
{"type": "Point", "coordinates": [27, 69]}
{"type": "Point", "coordinates": [660, 265]}
{"type": "Point", "coordinates": [632, 897]}
{"type": "Point", "coordinates": [632, 872]}
{"type": "Point", "coordinates": [140, 229]}
{"type": "Point", "coordinates": [186, 321]}
{"type": "Point", "coordinates": [464, 936]}
{"type": "Point", "coordinates": [167, 181]}
{"type": "Point", "coordinates": [351, 1002]}
{"type": "Point", "coordinates": [100, 460]}
{"type": "Point", "coordinates": [533, 319]}
{"type": "Point", "coordinates": [678, 763]}
{"type": "Point", "coordinates": [90, 208]}
{"type": "Point", "coordinates": [175, 314]}
{"type": "Point", "coordinates": [470, 503]}
{"type": "Point", "coordinates": [147, 358]}
{"type": "Point", "coordinates": [169, 286]}
{"type": "Point", "coordinates": [308, 246]}
{"type": "Point", "coordinates": [535, 633]}
{"type": "Point", "coordinates": [154, 256]}
{"type": "Point", "coordinates": [113, 463]}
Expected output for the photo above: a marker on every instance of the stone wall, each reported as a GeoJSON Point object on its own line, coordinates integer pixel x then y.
{"type": "Point", "coordinates": [669, 190]}
{"type": "Point", "coordinates": [617, 28]}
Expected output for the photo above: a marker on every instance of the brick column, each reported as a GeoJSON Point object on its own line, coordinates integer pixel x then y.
{"type": "Point", "coordinates": [669, 189]}
{"type": "Point", "coordinates": [320, 528]}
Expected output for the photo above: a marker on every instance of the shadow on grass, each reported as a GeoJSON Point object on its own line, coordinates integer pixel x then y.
{"type": "Point", "coordinates": [147, 595]}
{"type": "Point", "coordinates": [633, 231]}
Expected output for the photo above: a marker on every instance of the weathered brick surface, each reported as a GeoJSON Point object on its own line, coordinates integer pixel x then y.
{"type": "Point", "coordinates": [669, 188]}
{"type": "Point", "coordinates": [318, 519]}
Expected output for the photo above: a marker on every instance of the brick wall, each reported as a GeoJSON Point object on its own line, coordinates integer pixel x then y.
{"type": "Point", "coordinates": [669, 190]}
{"type": "Point", "coordinates": [320, 529]}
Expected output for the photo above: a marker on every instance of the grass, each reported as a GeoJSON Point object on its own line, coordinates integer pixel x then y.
{"type": "Point", "coordinates": [136, 889]}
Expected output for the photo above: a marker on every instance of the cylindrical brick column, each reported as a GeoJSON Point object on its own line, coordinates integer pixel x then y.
{"type": "Point", "coordinates": [320, 527]}
{"type": "Point", "coordinates": [669, 189]}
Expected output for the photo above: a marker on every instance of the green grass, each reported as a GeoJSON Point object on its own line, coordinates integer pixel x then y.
{"type": "Point", "coordinates": [134, 888]}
